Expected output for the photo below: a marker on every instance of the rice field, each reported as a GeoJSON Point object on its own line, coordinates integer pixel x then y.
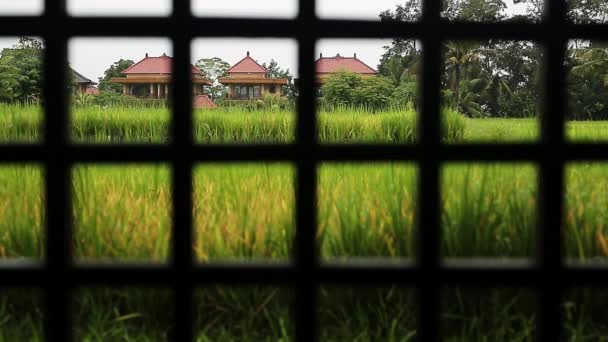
{"type": "Point", "coordinates": [246, 212]}
{"type": "Point", "coordinates": [112, 124]}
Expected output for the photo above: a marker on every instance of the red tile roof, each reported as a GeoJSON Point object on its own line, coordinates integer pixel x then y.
{"type": "Point", "coordinates": [203, 101]}
{"type": "Point", "coordinates": [248, 64]}
{"type": "Point", "coordinates": [155, 65]}
{"type": "Point", "coordinates": [326, 65]}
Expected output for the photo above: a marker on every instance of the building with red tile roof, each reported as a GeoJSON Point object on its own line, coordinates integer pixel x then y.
{"type": "Point", "coordinates": [326, 66]}
{"type": "Point", "coordinates": [151, 77]}
{"type": "Point", "coordinates": [247, 79]}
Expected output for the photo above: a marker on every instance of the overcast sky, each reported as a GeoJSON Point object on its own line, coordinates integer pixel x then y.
{"type": "Point", "coordinates": [91, 57]}
{"type": "Point", "coordinates": [355, 9]}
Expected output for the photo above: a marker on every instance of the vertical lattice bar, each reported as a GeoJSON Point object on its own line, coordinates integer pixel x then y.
{"type": "Point", "coordinates": [58, 243]}
{"type": "Point", "coordinates": [181, 135]}
{"type": "Point", "coordinates": [428, 186]}
{"type": "Point", "coordinates": [305, 245]}
{"type": "Point", "coordinates": [552, 173]}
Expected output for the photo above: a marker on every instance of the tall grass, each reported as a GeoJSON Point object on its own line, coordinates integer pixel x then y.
{"type": "Point", "coordinates": [584, 314]}
{"type": "Point", "coordinates": [96, 124]}
{"type": "Point", "coordinates": [231, 125]}
{"type": "Point", "coordinates": [586, 216]}
{"type": "Point", "coordinates": [488, 314]}
{"type": "Point", "coordinates": [488, 210]}
{"type": "Point", "coordinates": [501, 130]}
{"type": "Point", "coordinates": [366, 210]}
{"type": "Point", "coordinates": [367, 314]}
{"type": "Point", "coordinates": [244, 211]}
{"type": "Point", "coordinates": [21, 315]}
{"type": "Point", "coordinates": [247, 314]}
{"type": "Point", "coordinates": [122, 314]}
{"type": "Point", "coordinates": [121, 213]}
{"type": "Point", "coordinates": [587, 131]}
{"type": "Point", "coordinates": [20, 123]}
{"type": "Point", "coordinates": [21, 211]}
{"type": "Point", "coordinates": [353, 125]}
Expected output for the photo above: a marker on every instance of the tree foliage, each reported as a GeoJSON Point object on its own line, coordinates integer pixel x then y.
{"type": "Point", "coordinates": [213, 69]}
{"type": "Point", "coordinates": [115, 70]}
{"type": "Point", "coordinates": [348, 89]}
{"type": "Point", "coordinates": [490, 78]}
{"type": "Point", "coordinates": [275, 71]}
{"type": "Point", "coordinates": [21, 71]}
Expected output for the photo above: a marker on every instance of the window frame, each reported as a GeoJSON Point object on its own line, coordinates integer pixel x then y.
{"type": "Point", "coordinates": [58, 275]}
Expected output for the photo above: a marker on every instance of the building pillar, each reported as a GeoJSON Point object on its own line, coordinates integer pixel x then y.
{"type": "Point", "coordinates": [166, 91]}
{"type": "Point", "coordinates": [158, 89]}
{"type": "Point", "coordinates": [151, 90]}
{"type": "Point", "coordinates": [125, 89]}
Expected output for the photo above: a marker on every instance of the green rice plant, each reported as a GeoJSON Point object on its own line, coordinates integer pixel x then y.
{"type": "Point", "coordinates": [247, 314]}
{"type": "Point", "coordinates": [502, 130]}
{"type": "Point", "coordinates": [20, 123]}
{"type": "Point", "coordinates": [234, 125]}
{"type": "Point", "coordinates": [244, 211]}
{"type": "Point", "coordinates": [367, 314]}
{"type": "Point", "coordinates": [484, 315]}
{"type": "Point", "coordinates": [453, 126]}
{"type": "Point", "coordinates": [587, 131]}
{"type": "Point", "coordinates": [586, 217]}
{"type": "Point", "coordinates": [122, 314]}
{"type": "Point", "coordinates": [366, 210]}
{"type": "Point", "coordinates": [584, 315]}
{"type": "Point", "coordinates": [96, 124]}
{"type": "Point", "coordinates": [22, 211]}
{"type": "Point", "coordinates": [361, 126]}
{"type": "Point", "coordinates": [21, 315]}
{"type": "Point", "coordinates": [121, 212]}
{"type": "Point", "coordinates": [488, 210]}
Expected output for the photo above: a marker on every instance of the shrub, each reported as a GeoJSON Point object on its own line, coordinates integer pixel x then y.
{"type": "Point", "coordinates": [406, 94]}
{"type": "Point", "coordinates": [340, 88]}
{"type": "Point", "coordinates": [374, 93]}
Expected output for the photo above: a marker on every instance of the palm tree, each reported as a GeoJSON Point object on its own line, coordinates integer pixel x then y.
{"type": "Point", "coordinates": [460, 57]}
{"type": "Point", "coordinates": [594, 63]}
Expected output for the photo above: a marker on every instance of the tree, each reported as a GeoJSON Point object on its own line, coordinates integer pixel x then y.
{"type": "Point", "coordinates": [275, 71]}
{"type": "Point", "coordinates": [402, 53]}
{"type": "Point", "coordinates": [21, 71]}
{"type": "Point", "coordinates": [115, 70]}
{"type": "Point", "coordinates": [213, 69]}
{"type": "Point", "coordinates": [474, 10]}
{"type": "Point", "coordinates": [587, 11]}
{"type": "Point", "coordinates": [588, 82]}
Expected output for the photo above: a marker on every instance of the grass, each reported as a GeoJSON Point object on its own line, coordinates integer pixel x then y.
{"type": "Point", "coordinates": [122, 314]}
{"type": "Point", "coordinates": [21, 315]}
{"type": "Point", "coordinates": [21, 211]}
{"type": "Point", "coordinates": [112, 124]}
{"type": "Point", "coordinates": [104, 125]}
{"type": "Point", "coordinates": [488, 314]}
{"type": "Point", "coordinates": [367, 314]}
{"type": "Point", "coordinates": [256, 313]}
{"type": "Point", "coordinates": [488, 210]}
{"type": "Point", "coordinates": [586, 216]}
{"type": "Point", "coordinates": [244, 211]}
{"type": "Point", "coordinates": [584, 314]}
{"type": "Point", "coordinates": [366, 210]}
{"type": "Point", "coordinates": [121, 213]}
{"type": "Point", "coordinates": [20, 123]}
